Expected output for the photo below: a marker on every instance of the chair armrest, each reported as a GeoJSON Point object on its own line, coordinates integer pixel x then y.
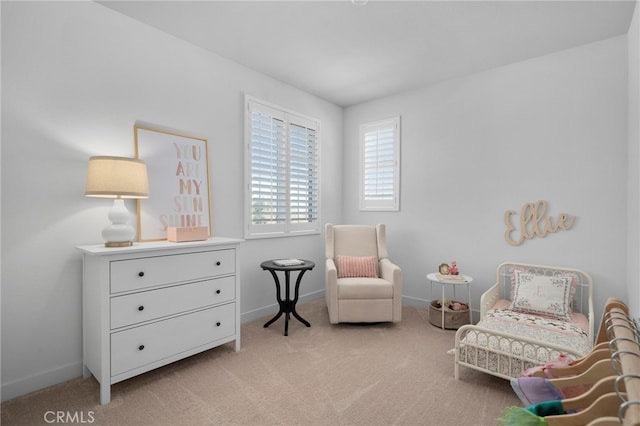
{"type": "Point", "coordinates": [331, 289]}
{"type": "Point", "coordinates": [391, 272]}
{"type": "Point", "coordinates": [331, 272]}
{"type": "Point", "coordinates": [387, 269]}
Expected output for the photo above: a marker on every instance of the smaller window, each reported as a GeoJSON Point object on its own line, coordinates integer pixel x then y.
{"type": "Point", "coordinates": [380, 165]}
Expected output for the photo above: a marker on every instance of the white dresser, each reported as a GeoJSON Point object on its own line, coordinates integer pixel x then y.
{"type": "Point", "coordinates": [154, 303]}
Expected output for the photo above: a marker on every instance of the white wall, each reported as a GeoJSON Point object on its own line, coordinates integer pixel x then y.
{"type": "Point", "coordinates": [633, 246]}
{"type": "Point", "coordinates": [551, 128]}
{"type": "Point", "coordinates": [76, 76]}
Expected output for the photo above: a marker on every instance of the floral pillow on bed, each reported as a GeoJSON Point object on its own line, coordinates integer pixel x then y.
{"type": "Point", "coordinates": [542, 295]}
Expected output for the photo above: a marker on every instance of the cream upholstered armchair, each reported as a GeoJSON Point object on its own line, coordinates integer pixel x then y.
{"type": "Point", "coordinates": [362, 284]}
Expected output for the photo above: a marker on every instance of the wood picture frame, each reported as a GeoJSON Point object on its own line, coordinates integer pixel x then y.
{"type": "Point", "coordinates": [179, 190]}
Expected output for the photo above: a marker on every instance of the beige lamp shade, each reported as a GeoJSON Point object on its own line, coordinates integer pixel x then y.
{"type": "Point", "coordinates": [117, 177]}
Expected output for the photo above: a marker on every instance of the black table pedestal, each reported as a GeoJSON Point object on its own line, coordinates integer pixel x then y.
{"type": "Point", "coordinates": [287, 305]}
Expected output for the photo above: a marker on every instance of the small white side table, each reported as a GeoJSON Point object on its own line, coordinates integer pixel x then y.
{"type": "Point", "coordinates": [433, 278]}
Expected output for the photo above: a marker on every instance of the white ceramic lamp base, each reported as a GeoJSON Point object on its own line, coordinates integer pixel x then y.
{"type": "Point", "coordinates": [119, 233]}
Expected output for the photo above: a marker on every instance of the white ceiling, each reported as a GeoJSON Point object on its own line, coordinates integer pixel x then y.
{"type": "Point", "coordinates": [348, 54]}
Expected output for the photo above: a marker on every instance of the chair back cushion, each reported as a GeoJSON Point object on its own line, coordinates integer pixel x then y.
{"type": "Point", "coordinates": [351, 240]}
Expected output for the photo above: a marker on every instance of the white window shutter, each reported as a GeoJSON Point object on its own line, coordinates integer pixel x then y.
{"type": "Point", "coordinates": [380, 165]}
{"type": "Point", "coordinates": [282, 172]}
{"type": "Point", "coordinates": [303, 174]}
{"type": "Point", "coordinates": [268, 169]}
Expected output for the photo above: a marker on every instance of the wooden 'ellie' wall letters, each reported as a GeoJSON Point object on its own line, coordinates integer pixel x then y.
{"type": "Point", "coordinates": [534, 222]}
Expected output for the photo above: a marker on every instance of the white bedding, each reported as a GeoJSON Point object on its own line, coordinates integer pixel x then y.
{"type": "Point", "coordinates": [486, 345]}
{"type": "Point", "coordinates": [505, 342]}
{"type": "Point", "coordinates": [570, 334]}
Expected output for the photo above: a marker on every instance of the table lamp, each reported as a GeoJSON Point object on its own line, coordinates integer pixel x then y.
{"type": "Point", "coordinates": [118, 178]}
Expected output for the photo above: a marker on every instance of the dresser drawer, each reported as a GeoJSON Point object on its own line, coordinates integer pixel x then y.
{"type": "Point", "coordinates": [133, 274]}
{"type": "Point", "coordinates": [150, 343]}
{"type": "Point", "coordinates": [152, 304]}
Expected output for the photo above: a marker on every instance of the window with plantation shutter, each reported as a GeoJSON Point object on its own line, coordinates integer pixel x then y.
{"type": "Point", "coordinates": [380, 165]}
{"type": "Point", "coordinates": [282, 191]}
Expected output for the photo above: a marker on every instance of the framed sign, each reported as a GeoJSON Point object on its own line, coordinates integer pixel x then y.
{"type": "Point", "coordinates": [179, 194]}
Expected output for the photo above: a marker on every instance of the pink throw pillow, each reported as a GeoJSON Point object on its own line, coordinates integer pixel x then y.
{"type": "Point", "coordinates": [357, 266]}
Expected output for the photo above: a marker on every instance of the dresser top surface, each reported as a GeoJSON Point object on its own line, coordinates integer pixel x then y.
{"type": "Point", "coordinates": [100, 249]}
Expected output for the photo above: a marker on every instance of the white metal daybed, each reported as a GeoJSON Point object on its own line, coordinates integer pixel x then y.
{"type": "Point", "coordinates": [510, 337]}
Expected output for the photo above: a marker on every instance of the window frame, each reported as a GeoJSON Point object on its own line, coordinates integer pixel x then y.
{"type": "Point", "coordinates": [386, 125]}
{"type": "Point", "coordinates": [290, 120]}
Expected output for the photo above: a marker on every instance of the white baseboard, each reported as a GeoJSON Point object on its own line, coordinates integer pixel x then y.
{"type": "Point", "coordinates": [415, 302]}
{"type": "Point", "coordinates": [55, 376]}
{"type": "Point", "coordinates": [71, 371]}
{"type": "Point", "coordinates": [40, 381]}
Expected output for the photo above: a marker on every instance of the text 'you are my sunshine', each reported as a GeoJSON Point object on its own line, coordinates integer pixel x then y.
{"type": "Point", "coordinates": [190, 198]}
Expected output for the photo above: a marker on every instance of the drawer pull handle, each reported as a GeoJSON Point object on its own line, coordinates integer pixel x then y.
{"type": "Point", "coordinates": [141, 274]}
{"type": "Point", "coordinates": [218, 324]}
{"type": "Point", "coordinates": [141, 308]}
{"type": "Point", "coordinates": [141, 347]}
{"type": "Point", "coordinates": [218, 263]}
{"type": "Point", "coordinates": [218, 291]}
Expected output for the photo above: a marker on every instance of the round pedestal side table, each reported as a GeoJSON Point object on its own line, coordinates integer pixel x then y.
{"type": "Point", "coordinates": [454, 281]}
{"type": "Point", "coordinates": [287, 305]}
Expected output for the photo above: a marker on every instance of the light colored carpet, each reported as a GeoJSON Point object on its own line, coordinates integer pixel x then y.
{"type": "Point", "coordinates": [380, 374]}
